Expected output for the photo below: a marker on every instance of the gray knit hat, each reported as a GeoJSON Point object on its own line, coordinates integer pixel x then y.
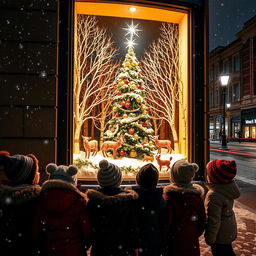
{"type": "Point", "coordinates": [62, 172]}
{"type": "Point", "coordinates": [20, 169]}
{"type": "Point", "coordinates": [109, 175]}
{"type": "Point", "coordinates": [183, 172]}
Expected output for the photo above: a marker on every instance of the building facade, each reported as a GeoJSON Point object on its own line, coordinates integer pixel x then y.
{"type": "Point", "coordinates": [237, 59]}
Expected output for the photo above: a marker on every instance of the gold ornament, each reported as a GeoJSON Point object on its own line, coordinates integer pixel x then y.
{"type": "Point", "coordinates": [121, 83]}
{"type": "Point", "coordinates": [126, 64]}
{"type": "Point", "coordinates": [138, 100]}
{"type": "Point", "coordinates": [133, 153]}
{"type": "Point", "coordinates": [151, 143]}
{"type": "Point", "coordinates": [136, 136]}
{"type": "Point", "coordinates": [125, 115]}
{"type": "Point", "coordinates": [133, 86]}
{"type": "Point", "coordinates": [115, 109]}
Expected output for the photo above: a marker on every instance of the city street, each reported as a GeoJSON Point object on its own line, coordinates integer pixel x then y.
{"type": "Point", "coordinates": [245, 156]}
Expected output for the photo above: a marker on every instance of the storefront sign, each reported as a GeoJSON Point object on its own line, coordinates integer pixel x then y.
{"type": "Point", "coordinates": [252, 121]}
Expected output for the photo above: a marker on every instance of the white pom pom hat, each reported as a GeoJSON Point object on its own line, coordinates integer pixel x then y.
{"type": "Point", "coordinates": [62, 172]}
{"type": "Point", "coordinates": [109, 175]}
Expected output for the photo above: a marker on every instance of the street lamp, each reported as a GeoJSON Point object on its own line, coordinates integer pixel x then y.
{"type": "Point", "coordinates": [224, 82]}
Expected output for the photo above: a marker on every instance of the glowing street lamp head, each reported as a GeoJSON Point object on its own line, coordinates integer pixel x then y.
{"type": "Point", "coordinates": [224, 80]}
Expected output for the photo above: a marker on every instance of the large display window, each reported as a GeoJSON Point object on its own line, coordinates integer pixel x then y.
{"type": "Point", "coordinates": [131, 87]}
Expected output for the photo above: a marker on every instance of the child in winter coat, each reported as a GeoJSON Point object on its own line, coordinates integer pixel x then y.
{"type": "Point", "coordinates": [150, 210]}
{"type": "Point", "coordinates": [112, 214]}
{"type": "Point", "coordinates": [18, 197]}
{"type": "Point", "coordinates": [61, 225]}
{"type": "Point", "coordinates": [221, 228]}
{"type": "Point", "coordinates": [185, 211]}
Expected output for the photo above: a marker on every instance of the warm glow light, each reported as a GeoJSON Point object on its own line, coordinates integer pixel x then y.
{"type": "Point", "coordinates": [132, 30]}
{"type": "Point", "coordinates": [224, 80]}
{"type": "Point", "coordinates": [228, 105]}
{"type": "Point", "coordinates": [132, 9]}
{"type": "Point", "coordinates": [130, 43]}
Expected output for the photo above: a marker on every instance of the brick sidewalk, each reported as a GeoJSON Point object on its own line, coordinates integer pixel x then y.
{"type": "Point", "coordinates": [245, 244]}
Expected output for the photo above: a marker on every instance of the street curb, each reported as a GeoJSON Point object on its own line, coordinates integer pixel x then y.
{"type": "Point", "coordinates": [243, 206]}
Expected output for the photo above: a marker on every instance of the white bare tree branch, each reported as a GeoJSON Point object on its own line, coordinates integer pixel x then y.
{"type": "Point", "coordinates": [94, 69]}
{"type": "Point", "coordinates": [161, 69]}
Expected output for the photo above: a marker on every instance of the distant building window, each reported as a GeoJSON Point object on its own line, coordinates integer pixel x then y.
{"type": "Point", "coordinates": [236, 62]}
{"type": "Point", "coordinates": [254, 46]}
{"type": "Point", "coordinates": [217, 98]}
{"type": "Point", "coordinates": [254, 83]}
{"type": "Point", "coordinates": [211, 99]}
{"type": "Point", "coordinates": [211, 73]}
{"type": "Point", "coordinates": [216, 71]}
{"type": "Point", "coordinates": [236, 92]}
{"type": "Point", "coordinates": [226, 67]}
{"type": "Point", "coordinates": [226, 95]}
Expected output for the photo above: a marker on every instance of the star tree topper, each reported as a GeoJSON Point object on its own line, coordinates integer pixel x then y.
{"type": "Point", "coordinates": [132, 31]}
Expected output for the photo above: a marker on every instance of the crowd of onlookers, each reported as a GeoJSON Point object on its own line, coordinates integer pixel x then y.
{"type": "Point", "coordinates": [57, 219]}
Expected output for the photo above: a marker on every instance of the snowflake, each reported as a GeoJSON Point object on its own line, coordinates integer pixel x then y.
{"type": "Point", "coordinates": [194, 218]}
{"type": "Point", "coordinates": [8, 200]}
{"type": "Point", "coordinates": [43, 74]}
{"type": "Point", "coordinates": [221, 4]}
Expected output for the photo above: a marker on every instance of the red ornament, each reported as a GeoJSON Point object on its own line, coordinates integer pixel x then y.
{"type": "Point", "coordinates": [139, 75]}
{"type": "Point", "coordinates": [131, 131]}
{"type": "Point", "coordinates": [127, 105]}
{"type": "Point", "coordinates": [142, 88]}
{"type": "Point", "coordinates": [118, 93]}
{"type": "Point", "coordinates": [126, 82]}
{"type": "Point", "coordinates": [122, 153]}
{"type": "Point", "coordinates": [144, 124]}
{"type": "Point", "coordinates": [115, 85]}
{"type": "Point", "coordinates": [123, 103]}
{"type": "Point", "coordinates": [116, 115]}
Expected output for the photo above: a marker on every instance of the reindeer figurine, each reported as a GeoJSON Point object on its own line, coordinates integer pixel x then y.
{"type": "Point", "coordinates": [90, 146]}
{"type": "Point", "coordinates": [163, 144]}
{"type": "Point", "coordinates": [148, 158]}
{"type": "Point", "coordinates": [114, 145]}
{"type": "Point", "coordinates": [163, 162]}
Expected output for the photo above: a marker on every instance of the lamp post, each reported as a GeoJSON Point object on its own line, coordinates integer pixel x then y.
{"type": "Point", "coordinates": [224, 82]}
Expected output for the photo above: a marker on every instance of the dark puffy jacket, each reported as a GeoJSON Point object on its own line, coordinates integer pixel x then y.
{"type": "Point", "coordinates": [114, 224]}
{"type": "Point", "coordinates": [151, 214]}
{"type": "Point", "coordinates": [61, 225]}
{"type": "Point", "coordinates": [186, 220]}
{"type": "Point", "coordinates": [17, 208]}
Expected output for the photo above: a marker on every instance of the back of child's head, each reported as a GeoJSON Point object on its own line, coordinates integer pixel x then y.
{"type": "Point", "coordinates": [221, 171]}
{"type": "Point", "coordinates": [109, 175]}
{"type": "Point", "coordinates": [183, 172]}
{"type": "Point", "coordinates": [147, 177]}
{"type": "Point", "coordinates": [62, 172]}
{"type": "Point", "coordinates": [19, 169]}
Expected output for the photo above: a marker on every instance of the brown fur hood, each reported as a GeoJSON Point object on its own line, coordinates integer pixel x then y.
{"type": "Point", "coordinates": [95, 195]}
{"type": "Point", "coordinates": [18, 195]}
{"type": "Point", "coordinates": [59, 184]}
{"type": "Point", "coordinates": [193, 189]}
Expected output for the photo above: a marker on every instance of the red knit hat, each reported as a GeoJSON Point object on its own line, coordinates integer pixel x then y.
{"type": "Point", "coordinates": [221, 171]}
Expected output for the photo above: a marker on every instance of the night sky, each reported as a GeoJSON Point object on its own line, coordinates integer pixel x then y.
{"type": "Point", "coordinates": [227, 18]}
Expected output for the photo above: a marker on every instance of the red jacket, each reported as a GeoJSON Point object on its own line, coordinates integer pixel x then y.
{"type": "Point", "coordinates": [61, 224]}
{"type": "Point", "coordinates": [185, 221]}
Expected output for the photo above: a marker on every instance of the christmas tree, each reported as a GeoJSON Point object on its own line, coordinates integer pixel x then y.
{"type": "Point", "coordinates": [130, 118]}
